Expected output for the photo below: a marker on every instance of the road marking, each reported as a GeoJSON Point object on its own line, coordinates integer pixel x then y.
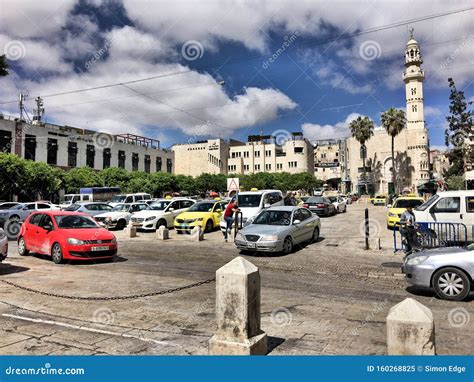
{"type": "Point", "coordinates": [85, 328]}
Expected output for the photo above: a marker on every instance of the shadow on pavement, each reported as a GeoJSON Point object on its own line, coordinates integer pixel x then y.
{"type": "Point", "coordinates": [7, 269]}
{"type": "Point", "coordinates": [273, 342]}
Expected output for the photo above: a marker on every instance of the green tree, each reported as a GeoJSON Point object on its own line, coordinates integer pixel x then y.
{"type": "Point", "coordinates": [459, 128]}
{"type": "Point", "coordinates": [394, 121]}
{"type": "Point", "coordinates": [362, 129]}
{"type": "Point", "coordinates": [3, 66]}
{"type": "Point", "coordinates": [161, 182]}
{"type": "Point", "coordinates": [115, 177]}
{"type": "Point", "coordinates": [13, 176]}
{"type": "Point", "coordinates": [43, 179]}
{"type": "Point", "coordinates": [81, 177]}
{"type": "Point", "coordinates": [456, 182]}
{"type": "Point", "coordinates": [186, 184]}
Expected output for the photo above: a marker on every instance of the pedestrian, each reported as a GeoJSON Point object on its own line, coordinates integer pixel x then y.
{"type": "Point", "coordinates": [407, 228]}
{"type": "Point", "coordinates": [229, 219]}
{"type": "Point", "coordinates": [287, 199]}
{"type": "Point", "coordinates": [293, 201]}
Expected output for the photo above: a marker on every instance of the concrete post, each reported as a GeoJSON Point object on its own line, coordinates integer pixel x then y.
{"type": "Point", "coordinates": [162, 233]}
{"type": "Point", "coordinates": [131, 230]}
{"type": "Point", "coordinates": [410, 329]}
{"type": "Point", "coordinates": [197, 234]}
{"type": "Point", "coordinates": [238, 311]}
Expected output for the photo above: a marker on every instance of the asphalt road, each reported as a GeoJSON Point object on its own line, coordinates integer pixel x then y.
{"type": "Point", "coordinates": [329, 297]}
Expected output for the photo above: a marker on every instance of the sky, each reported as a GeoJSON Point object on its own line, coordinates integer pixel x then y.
{"type": "Point", "coordinates": [228, 68]}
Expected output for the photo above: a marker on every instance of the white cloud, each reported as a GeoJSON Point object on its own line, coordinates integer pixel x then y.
{"type": "Point", "coordinates": [339, 130]}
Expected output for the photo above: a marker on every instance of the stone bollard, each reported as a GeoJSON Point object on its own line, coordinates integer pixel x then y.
{"type": "Point", "coordinates": [130, 230]}
{"type": "Point", "coordinates": [197, 234]}
{"type": "Point", "coordinates": [162, 233]}
{"type": "Point", "coordinates": [238, 311]}
{"type": "Point", "coordinates": [410, 329]}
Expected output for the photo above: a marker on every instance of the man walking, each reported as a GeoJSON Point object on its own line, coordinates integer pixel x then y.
{"type": "Point", "coordinates": [407, 228]}
{"type": "Point", "coordinates": [229, 219]}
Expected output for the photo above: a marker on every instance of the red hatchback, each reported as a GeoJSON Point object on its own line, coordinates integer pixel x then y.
{"type": "Point", "coordinates": [65, 235]}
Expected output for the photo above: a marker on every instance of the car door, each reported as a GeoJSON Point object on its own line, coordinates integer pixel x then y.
{"type": "Point", "coordinates": [308, 223]}
{"type": "Point", "coordinates": [447, 209]}
{"type": "Point", "coordinates": [31, 231]}
{"type": "Point", "coordinates": [298, 227]}
{"type": "Point", "coordinates": [171, 211]}
{"type": "Point", "coordinates": [217, 212]}
{"type": "Point", "coordinates": [43, 234]}
{"type": "Point", "coordinates": [468, 215]}
{"type": "Point", "coordinates": [27, 210]}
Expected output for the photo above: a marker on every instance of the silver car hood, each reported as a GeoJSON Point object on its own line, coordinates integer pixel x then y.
{"type": "Point", "coordinates": [262, 229]}
{"type": "Point", "coordinates": [440, 251]}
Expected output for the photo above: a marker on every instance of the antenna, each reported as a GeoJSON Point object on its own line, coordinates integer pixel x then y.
{"type": "Point", "coordinates": [21, 104]}
{"type": "Point", "coordinates": [39, 111]}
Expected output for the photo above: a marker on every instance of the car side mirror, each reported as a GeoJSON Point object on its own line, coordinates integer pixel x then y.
{"type": "Point", "coordinates": [266, 205]}
{"type": "Point", "coordinates": [171, 209]}
{"type": "Point", "coordinates": [24, 208]}
{"type": "Point", "coordinates": [219, 210]}
{"type": "Point", "coordinates": [389, 206]}
{"type": "Point", "coordinates": [296, 222]}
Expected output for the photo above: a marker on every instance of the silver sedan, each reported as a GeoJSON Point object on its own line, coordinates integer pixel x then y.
{"type": "Point", "coordinates": [449, 271]}
{"type": "Point", "coordinates": [279, 229]}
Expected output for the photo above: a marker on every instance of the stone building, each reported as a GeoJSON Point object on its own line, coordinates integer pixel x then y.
{"type": "Point", "coordinates": [411, 145]}
{"type": "Point", "coordinates": [327, 165]}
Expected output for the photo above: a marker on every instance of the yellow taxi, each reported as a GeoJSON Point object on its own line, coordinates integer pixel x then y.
{"type": "Point", "coordinates": [206, 213]}
{"type": "Point", "coordinates": [379, 200]}
{"type": "Point", "coordinates": [399, 206]}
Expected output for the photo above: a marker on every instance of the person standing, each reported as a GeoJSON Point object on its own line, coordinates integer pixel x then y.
{"type": "Point", "coordinates": [229, 219]}
{"type": "Point", "coordinates": [407, 228]}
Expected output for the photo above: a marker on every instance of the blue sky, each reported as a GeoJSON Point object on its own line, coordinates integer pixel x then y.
{"type": "Point", "coordinates": [317, 80]}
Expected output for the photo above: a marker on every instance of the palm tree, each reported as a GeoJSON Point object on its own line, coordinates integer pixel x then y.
{"type": "Point", "coordinates": [362, 129]}
{"type": "Point", "coordinates": [394, 121]}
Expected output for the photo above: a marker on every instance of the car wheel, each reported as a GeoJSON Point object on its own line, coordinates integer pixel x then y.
{"type": "Point", "coordinates": [451, 284]}
{"type": "Point", "coordinates": [345, 209]}
{"type": "Point", "coordinates": [15, 218]}
{"type": "Point", "coordinates": [121, 224]}
{"type": "Point", "coordinates": [160, 223]}
{"type": "Point", "coordinates": [287, 245]}
{"type": "Point", "coordinates": [57, 253]}
{"type": "Point", "coordinates": [22, 251]}
{"type": "Point", "coordinates": [315, 237]}
{"type": "Point", "coordinates": [209, 226]}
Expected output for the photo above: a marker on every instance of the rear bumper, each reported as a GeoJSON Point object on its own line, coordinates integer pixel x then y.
{"type": "Point", "coordinates": [320, 211]}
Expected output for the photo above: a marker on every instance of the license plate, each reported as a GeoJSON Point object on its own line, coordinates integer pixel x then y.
{"type": "Point", "coordinates": [102, 248]}
{"type": "Point", "coordinates": [251, 245]}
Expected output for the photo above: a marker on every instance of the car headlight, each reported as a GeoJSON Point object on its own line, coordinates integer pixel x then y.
{"type": "Point", "coordinates": [150, 218]}
{"type": "Point", "coordinates": [73, 241]}
{"type": "Point", "coordinates": [239, 236]}
{"type": "Point", "coordinates": [417, 260]}
{"type": "Point", "coordinates": [3, 214]}
{"type": "Point", "coordinates": [392, 215]}
{"type": "Point", "coordinates": [269, 238]}
{"type": "Point", "coordinates": [114, 240]}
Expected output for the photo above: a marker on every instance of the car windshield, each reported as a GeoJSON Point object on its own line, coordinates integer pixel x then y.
{"type": "Point", "coordinates": [404, 203]}
{"type": "Point", "coordinates": [379, 197]}
{"type": "Point", "coordinates": [202, 207]}
{"type": "Point", "coordinates": [333, 199]}
{"type": "Point", "coordinates": [118, 198]}
{"type": "Point", "coordinates": [159, 206]}
{"type": "Point", "coordinates": [121, 208]}
{"type": "Point", "coordinates": [315, 200]}
{"type": "Point", "coordinates": [74, 221]}
{"type": "Point", "coordinates": [249, 200]}
{"type": "Point", "coordinates": [273, 218]}
{"type": "Point", "coordinates": [67, 199]}
{"type": "Point", "coordinates": [428, 203]}
{"type": "Point", "coordinates": [73, 207]}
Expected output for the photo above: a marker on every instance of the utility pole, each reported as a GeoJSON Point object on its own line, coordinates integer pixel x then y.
{"type": "Point", "coordinates": [21, 104]}
{"type": "Point", "coordinates": [39, 111]}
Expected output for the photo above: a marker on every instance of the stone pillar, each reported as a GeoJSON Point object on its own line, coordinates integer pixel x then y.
{"type": "Point", "coordinates": [410, 329]}
{"type": "Point", "coordinates": [162, 233]}
{"type": "Point", "coordinates": [130, 230]}
{"type": "Point", "coordinates": [238, 311]}
{"type": "Point", "coordinates": [197, 234]}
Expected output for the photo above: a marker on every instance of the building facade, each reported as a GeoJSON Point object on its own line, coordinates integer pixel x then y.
{"type": "Point", "coordinates": [327, 165]}
{"type": "Point", "coordinates": [71, 147]}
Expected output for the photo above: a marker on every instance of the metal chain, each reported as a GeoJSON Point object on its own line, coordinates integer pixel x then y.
{"type": "Point", "coordinates": [92, 298]}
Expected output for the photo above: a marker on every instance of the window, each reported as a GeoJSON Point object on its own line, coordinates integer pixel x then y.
{"type": "Point", "coordinates": [36, 219]}
{"type": "Point", "coordinates": [469, 204]}
{"type": "Point", "coordinates": [298, 150]}
{"type": "Point", "coordinates": [447, 205]}
{"type": "Point", "coordinates": [246, 154]}
{"type": "Point", "coordinates": [413, 91]}
{"type": "Point", "coordinates": [43, 206]}
{"type": "Point", "coordinates": [52, 156]}
{"type": "Point", "coordinates": [5, 141]}
{"type": "Point", "coordinates": [279, 166]}
{"type": "Point", "coordinates": [185, 203]}
{"type": "Point", "coordinates": [158, 164]}
{"type": "Point", "coordinates": [268, 167]}
{"type": "Point", "coordinates": [31, 207]}
{"type": "Point", "coordinates": [246, 167]}
{"type": "Point", "coordinates": [147, 163]}
{"type": "Point", "coordinates": [46, 222]}
{"type": "Point", "coordinates": [297, 215]}
{"type": "Point", "coordinates": [106, 155]}
{"type": "Point", "coordinates": [413, 108]}
{"type": "Point", "coordinates": [85, 198]}
{"type": "Point", "coordinates": [257, 167]}
{"type": "Point", "coordinates": [30, 147]}
{"type": "Point", "coordinates": [135, 161]}
{"type": "Point", "coordinates": [268, 153]}
{"type": "Point", "coordinates": [257, 154]}
{"type": "Point", "coordinates": [121, 159]}
{"type": "Point", "coordinates": [169, 165]}
{"type": "Point", "coordinates": [72, 154]}
{"type": "Point", "coordinates": [305, 214]}
{"type": "Point", "coordinates": [90, 156]}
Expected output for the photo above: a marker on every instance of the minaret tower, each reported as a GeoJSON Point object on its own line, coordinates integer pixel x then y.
{"type": "Point", "coordinates": [417, 135]}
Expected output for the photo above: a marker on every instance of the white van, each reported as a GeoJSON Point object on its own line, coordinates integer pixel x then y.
{"type": "Point", "coordinates": [130, 198]}
{"type": "Point", "coordinates": [70, 199]}
{"type": "Point", "coordinates": [252, 202]}
{"type": "Point", "coordinates": [448, 207]}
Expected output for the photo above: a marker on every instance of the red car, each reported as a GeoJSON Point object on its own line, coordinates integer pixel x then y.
{"type": "Point", "coordinates": [65, 235]}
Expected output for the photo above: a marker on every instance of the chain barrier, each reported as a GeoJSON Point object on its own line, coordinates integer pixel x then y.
{"type": "Point", "coordinates": [93, 298]}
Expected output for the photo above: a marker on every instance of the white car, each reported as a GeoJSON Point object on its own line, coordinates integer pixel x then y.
{"type": "Point", "coordinates": [348, 199]}
{"type": "Point", "coordinates": [339, 203]}
{"type": "Point", "coordinates": [251, 203]}
{"type": "Point", "coordinates": [3, 245]}
{"type": "Point", "coordinates": [130, 198]}
{"type": "Point", "coordinates": [161, 213]}
{"type": "Point", "coordinates": [120, 215]}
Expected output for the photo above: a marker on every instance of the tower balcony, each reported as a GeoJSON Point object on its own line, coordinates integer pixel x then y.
{"type": "Point", "coordinates": [413, 74]}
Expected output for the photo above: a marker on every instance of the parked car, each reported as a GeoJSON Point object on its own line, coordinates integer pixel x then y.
{"type": "Point", "coordinates": [339, 203]}
{"type": "Point", "coordinates": [279, 229]}
{"type": "Point", "coordinates": [398, 208]}
{"type": "Point", "coordinates": [161, 213]}
{"type": "Point", "coordinates": [379, 200]}
{"type": "Point", "coordinates": [65, 235]}
{"type": "Point", "coordinates": [3, 245]}
{"type": "Point", "coordinates": [251, 203]}
{"type": "Point", "coordinates": [321, 206]}
{"type": "Point", "coordinates": [347, 198]}
{"type": "Point", "coordinates": [448, 270]}
{"type": "Point", "coordinates": [23, 210]}
{"type": "Point", "coordinates": [120, 215]}
{"type": "Point", "coordinates": [206, 214]}
{"type": "Point", "coordinates": [93, 209]}
{"type": "Point", "coordinates": [8, 205]}
{"type": "Point", "coordinates": [130, 198]}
